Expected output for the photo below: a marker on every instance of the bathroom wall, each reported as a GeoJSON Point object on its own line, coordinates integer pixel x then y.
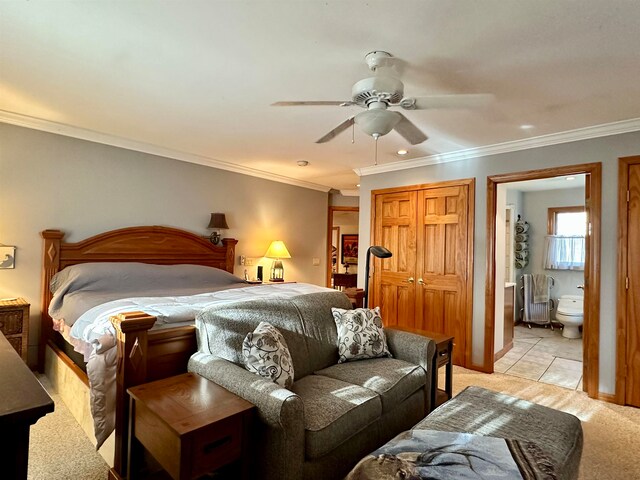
{"type": "Point", "coordinates": [514, 198]}
{"type": "Point", "coordinates": [535, 205]}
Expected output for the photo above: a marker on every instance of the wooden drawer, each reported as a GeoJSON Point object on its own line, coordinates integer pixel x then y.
{"type": "Point", "coordinates": [444, 356]}
{"type": "Point", "coordinates": [11, 321]}
{"type": "Point", "coordinates": [214, 446]}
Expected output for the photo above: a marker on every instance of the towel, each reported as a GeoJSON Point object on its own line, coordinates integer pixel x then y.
{"type": "Point", "coordinates": [522, 227]}
{"type": "Point", "coordinates": [540, 288]}
{"type": "Point", "coordinates": [521, 237]}
{"type": "Point", "coordinates": [522, 254]}
{"type": "Point", "coordinates": [520, 246]}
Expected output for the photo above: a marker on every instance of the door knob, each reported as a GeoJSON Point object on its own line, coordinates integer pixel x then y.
{"type": "Point", "coordinates": [420, 281]}
{"type": "Point", "coordinates": [410, 279]}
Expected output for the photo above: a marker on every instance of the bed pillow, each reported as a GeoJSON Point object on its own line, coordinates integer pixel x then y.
{"type": "Point", "coordinates": [360, 334]}
{"type": "Point", "coordinates": [265, 352]}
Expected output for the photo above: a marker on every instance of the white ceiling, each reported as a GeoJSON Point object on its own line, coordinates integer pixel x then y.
{"type": "Point", "coordinates": [198, 77]}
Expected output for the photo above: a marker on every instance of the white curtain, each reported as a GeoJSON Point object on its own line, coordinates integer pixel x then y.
{"type": "Point", "coordinates": [564, 252]}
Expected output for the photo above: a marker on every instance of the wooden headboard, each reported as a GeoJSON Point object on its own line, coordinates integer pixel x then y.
{"type": "Point", "coordinates": [154, 244]}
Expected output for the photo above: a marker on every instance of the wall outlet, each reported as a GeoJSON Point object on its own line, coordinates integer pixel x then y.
{"type": "Point", "coordinates": [249, 261]}
{"type": "Point", "coordinates": [316, 261]}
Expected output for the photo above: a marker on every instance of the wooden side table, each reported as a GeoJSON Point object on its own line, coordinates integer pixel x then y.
{"type": "Point", "coordinates": [190, 425]}
{"type": "Point", "coordinates": [442, 358]}
{"type": "Point", "coordinates": [14, 323]}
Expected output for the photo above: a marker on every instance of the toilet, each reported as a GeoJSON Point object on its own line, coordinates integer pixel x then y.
{"type": "Point", "coordinates": [570, 314]}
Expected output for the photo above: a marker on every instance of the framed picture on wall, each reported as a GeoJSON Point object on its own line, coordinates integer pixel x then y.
{"type": "Point", "coordinates": [349, 249]}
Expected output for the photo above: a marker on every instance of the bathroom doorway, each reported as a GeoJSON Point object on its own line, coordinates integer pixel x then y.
{"type": "Point", "coordinates": [501, 286]}
{"type": "Point", "coordinates": [342, 229]}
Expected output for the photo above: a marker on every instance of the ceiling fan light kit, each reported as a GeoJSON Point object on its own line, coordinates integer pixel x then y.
{"type": "Point", "coordinates": [376, 94]}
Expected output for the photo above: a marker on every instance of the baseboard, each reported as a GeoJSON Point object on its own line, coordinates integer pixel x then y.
{"type": "Point", "coordinates": [502, 352]}
{"type": "Point", "coordinates": [608, 397]}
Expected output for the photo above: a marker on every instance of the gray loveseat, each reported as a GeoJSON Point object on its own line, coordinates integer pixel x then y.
{"type": "Point", "coordinates": [333, 414]}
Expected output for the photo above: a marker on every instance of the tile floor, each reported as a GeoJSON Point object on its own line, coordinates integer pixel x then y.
{"type": "Point", "coordinates": [545, 356]}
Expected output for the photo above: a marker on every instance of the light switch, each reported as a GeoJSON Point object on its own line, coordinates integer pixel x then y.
{"type": "Point", "coordinates": [316, 261]}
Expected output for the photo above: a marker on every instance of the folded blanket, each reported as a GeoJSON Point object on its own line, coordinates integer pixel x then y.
{"type": "Point", "coordinates": [431, 454]}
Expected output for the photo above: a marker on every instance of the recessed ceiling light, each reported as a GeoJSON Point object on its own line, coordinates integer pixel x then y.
{"type": "Point", "coordinates": [357, 184]}
{"type": "Point", "coordinates": [570, 178]}
{"type": "Point", "coordinates": [402, 152]}
{"type": "Point", "coordinates": [526, 127]}
{"type": "Point", "coordinates": [302, 163]}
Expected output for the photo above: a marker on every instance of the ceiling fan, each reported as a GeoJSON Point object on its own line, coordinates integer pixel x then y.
{"type": "Point", "coordinates": [376, 94]}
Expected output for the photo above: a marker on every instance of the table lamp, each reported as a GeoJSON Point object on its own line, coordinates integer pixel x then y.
{"type": "Point", "coordinates": [277, 250]}
{"type": "Point", "coordinates": [218, 221]}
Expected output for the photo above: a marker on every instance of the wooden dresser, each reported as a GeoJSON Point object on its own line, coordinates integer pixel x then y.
{"type": "Point", "coordinates": [14, 324]}
{"type": "Point", "coordinates": [22, 402]}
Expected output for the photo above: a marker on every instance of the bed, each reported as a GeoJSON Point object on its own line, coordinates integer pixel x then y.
{"type": "Point", "coordinates": [142, 354]}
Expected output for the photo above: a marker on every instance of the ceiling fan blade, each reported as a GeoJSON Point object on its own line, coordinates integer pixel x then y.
{"type": "Point", "coordinates": [336, 131]}
{"type": "Point", "coordinates": [409, 131]}
{"type": "Point", "coordinates": [447, 101]}
{"type": "Point", "coordinates": [321, 103]}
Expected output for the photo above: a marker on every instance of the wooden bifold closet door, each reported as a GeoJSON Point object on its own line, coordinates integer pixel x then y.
{"type": "Point", "coordinates": [426, 283]}
{"type": "Point", "coordinates": [629, 302]}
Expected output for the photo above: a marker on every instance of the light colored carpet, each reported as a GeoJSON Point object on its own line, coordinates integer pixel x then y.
{"type": "Point", "coordinates": [611, 432]}
{"type": "Point", "coordinates": [59, 448]}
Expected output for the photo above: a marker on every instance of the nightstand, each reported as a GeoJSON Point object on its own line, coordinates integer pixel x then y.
{"type": "Point", "coordinates": [14, 323]}
{"type": "Point", "coordinates": [442, 358]}
{"type": "Point", "coordinates": [190, 425]}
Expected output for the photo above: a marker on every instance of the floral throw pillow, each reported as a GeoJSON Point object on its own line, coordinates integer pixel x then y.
{"type": "Point", "coordinates": [265, 353]}
{"type": "Point", "coordinates": [360, 334]}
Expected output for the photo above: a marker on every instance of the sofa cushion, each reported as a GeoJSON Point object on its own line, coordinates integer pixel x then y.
{"type": "Point", "coordinates": [319, 327]}
{"type": "Point", "coordinates": [305, 322]}
{"type": "Point", "coordinates": [265, 353]}
{"type": "Point", "coordinates": [360, 334]}
{"type": "Point", "coordinates": [334, 411]}
{"type": "Point", "coordinates": [394, 380]}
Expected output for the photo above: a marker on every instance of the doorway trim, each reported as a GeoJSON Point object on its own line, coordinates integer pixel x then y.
{"type": "Point", "coordinates": [622, 292]}
{"type": "Point", "coordinates": [591, 326]}
{"type": "Point", "coordinates": [330, 236]}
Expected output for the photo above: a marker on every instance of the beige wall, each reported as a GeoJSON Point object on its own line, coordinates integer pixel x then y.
{"type": "Point", "coordinates": [84, 188]}
{"type": "Point", "coordinates": [606, 150]}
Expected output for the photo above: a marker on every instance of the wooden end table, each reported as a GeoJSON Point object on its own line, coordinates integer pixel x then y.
{"type": "Point", "coordinates": [443, 357]}
{"type": "Point", "coordinates": [190, 425]}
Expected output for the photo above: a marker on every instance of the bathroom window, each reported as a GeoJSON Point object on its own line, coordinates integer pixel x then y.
{"type": "Point", "coordinates": [565, 242]}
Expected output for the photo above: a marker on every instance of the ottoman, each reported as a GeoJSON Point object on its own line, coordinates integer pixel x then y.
{"type": "Point", "coordinates": [484, 412]}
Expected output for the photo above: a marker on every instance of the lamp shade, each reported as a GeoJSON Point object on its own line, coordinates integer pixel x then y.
{"type": "Point", "coordinates": [218, 220]}
{"type": "Point", "coordinates": [277, 249]}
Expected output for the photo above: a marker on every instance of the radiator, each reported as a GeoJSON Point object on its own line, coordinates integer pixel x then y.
{"type": "Point", "coordinates": [538, 313]}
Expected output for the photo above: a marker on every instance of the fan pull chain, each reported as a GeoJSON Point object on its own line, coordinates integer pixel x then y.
{"type": "Point", "coordinates": [375, 162]}
{"type": "Point", "coordinates": [353, 133]}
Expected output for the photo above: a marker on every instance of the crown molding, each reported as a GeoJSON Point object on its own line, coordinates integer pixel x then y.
{"type": "Point", "coordinates": [604, 130]}
{"type": "Point", "coordinates": [121, 142]}
{"type": "Point", "coordinates": [350, 193]}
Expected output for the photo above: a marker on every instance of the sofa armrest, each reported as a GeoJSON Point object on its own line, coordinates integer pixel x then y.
{"type": "Point", "coordinates": [276, 405]}
{"type": "Point", "coordinates": [411, 347]}
{"type": "Point", "coordinates": [417, 350]}
{"type": "Point", "coordinates": [277, 440]}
